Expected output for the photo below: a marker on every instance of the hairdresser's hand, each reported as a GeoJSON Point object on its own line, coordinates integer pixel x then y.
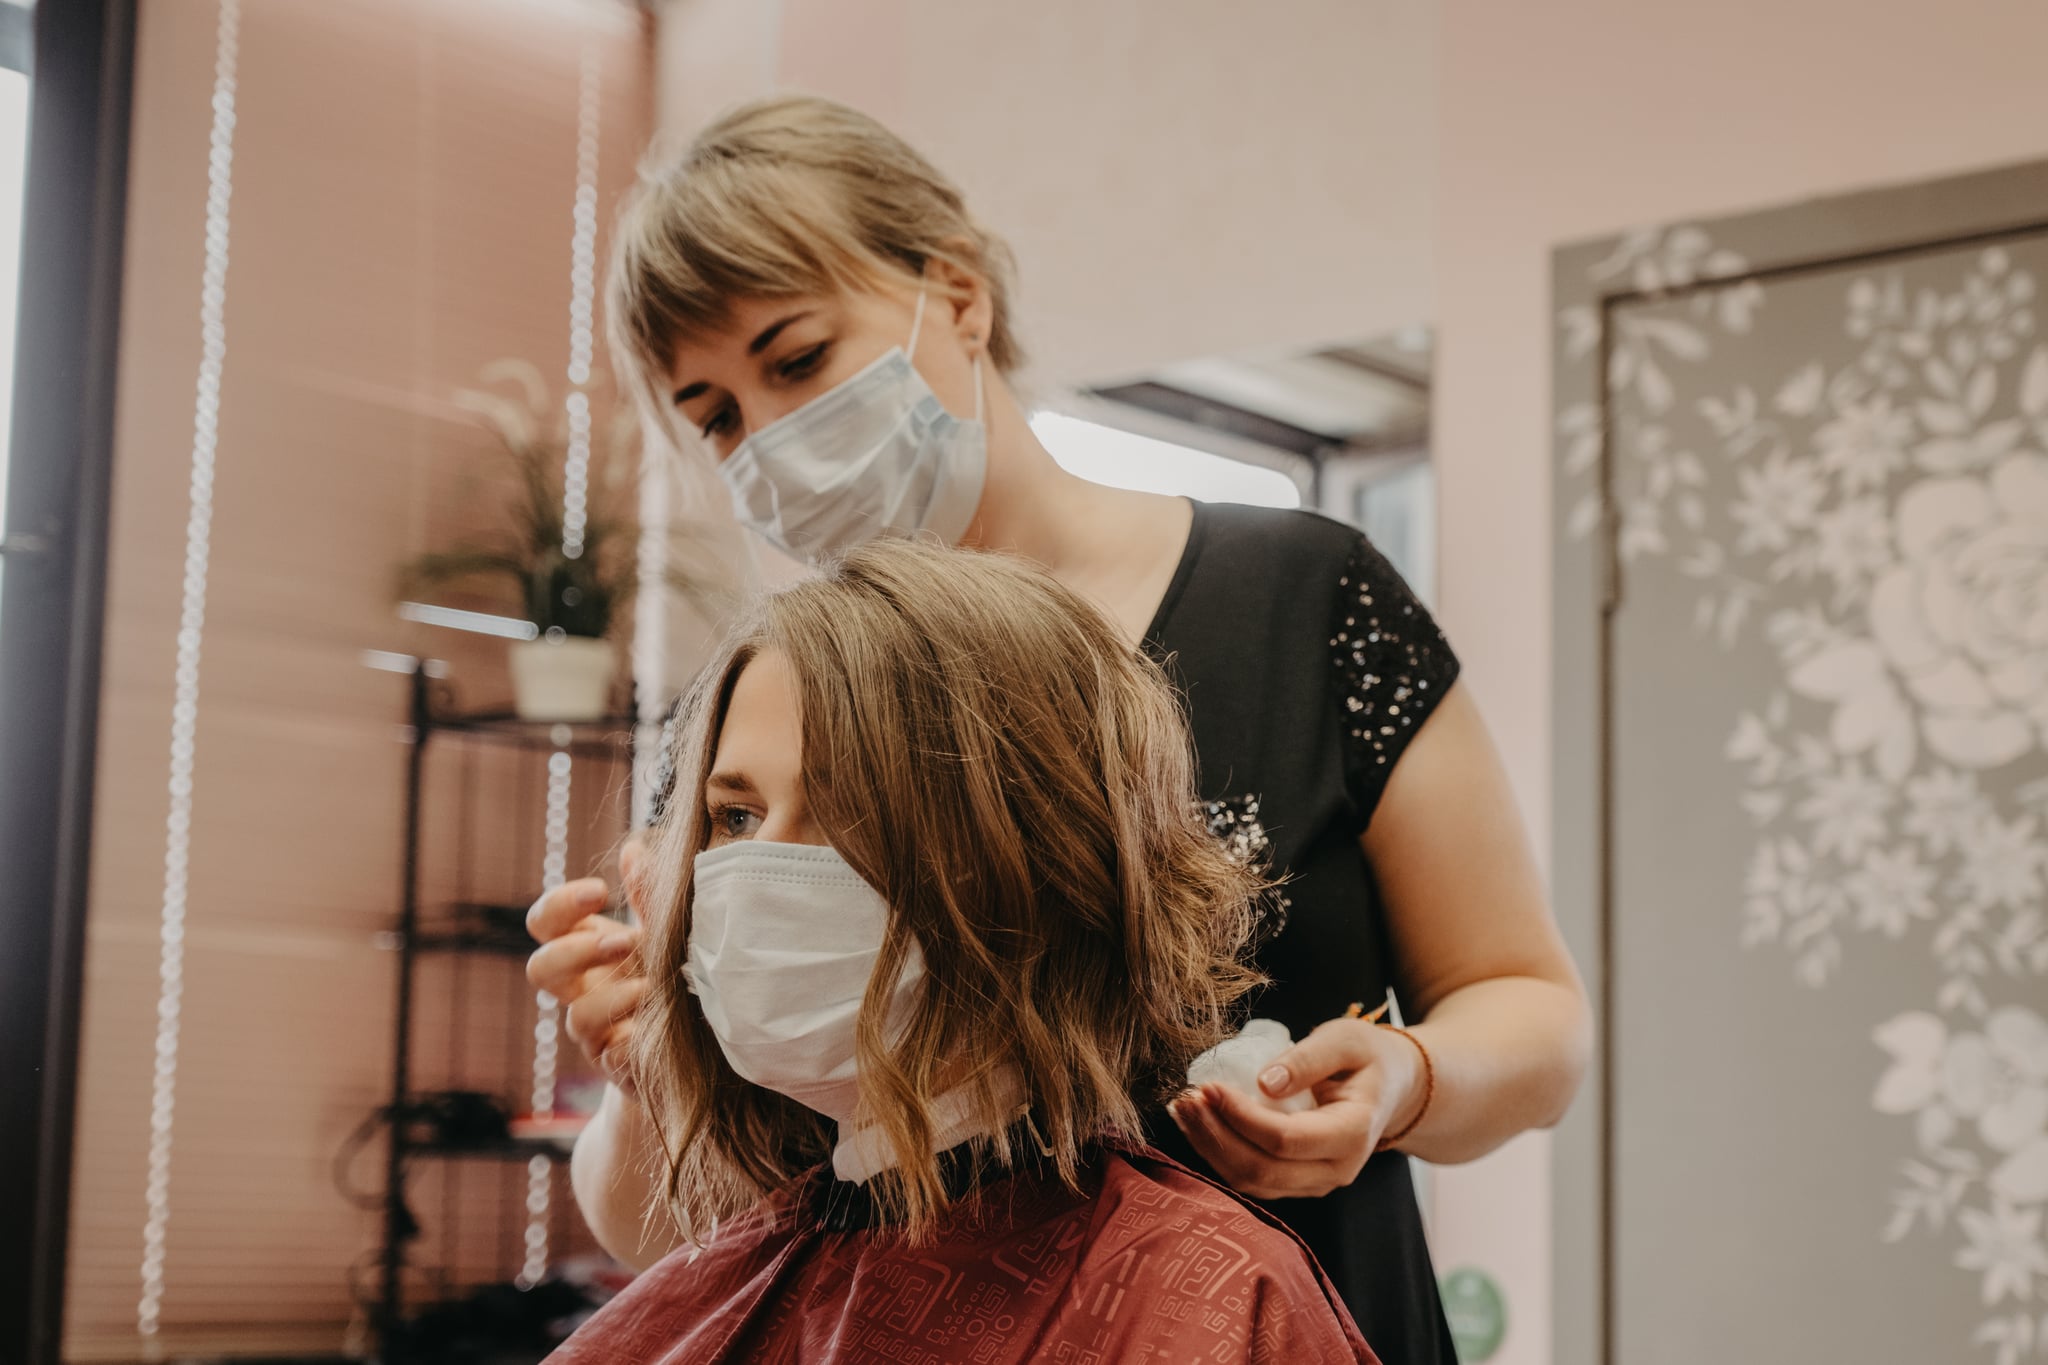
{"type": "Point", "coordinates": [1367, 1082]}
{"type": "Point", "coordinates": [585, 962]}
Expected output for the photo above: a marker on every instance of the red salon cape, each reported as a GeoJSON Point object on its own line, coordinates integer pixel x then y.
{"type": "Point", "coordinates": [1150, 1263]}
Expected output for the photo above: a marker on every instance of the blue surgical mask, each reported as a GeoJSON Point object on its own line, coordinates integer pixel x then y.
{"type": "Point", "coordinates": [874, 456]}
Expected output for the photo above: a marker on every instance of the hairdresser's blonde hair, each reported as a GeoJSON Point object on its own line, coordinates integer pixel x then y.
{"type": "Point", "coordinates": [1017, 782]}
{"type": "Point", "coordinates": [785, 196]}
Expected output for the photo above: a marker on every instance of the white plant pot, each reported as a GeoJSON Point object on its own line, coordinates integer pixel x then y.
{"type": "Point", "coordinates": [567, 679]}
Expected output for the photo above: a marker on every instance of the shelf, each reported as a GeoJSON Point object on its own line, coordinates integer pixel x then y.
{"type": "Point", "coordinates": [467, 927]}
{"type": "Point", "coordinates": [606, 735]}
{"type": "Point", "coordinates": [475, 927]}
{"type": "Point", "coordinates": [505, 1149]}
{"type": "Point", "coordinates": [474, 941]}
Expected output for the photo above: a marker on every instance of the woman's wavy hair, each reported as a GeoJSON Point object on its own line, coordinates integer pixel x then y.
{"type": "Point", "coordinates": [1017, 782]}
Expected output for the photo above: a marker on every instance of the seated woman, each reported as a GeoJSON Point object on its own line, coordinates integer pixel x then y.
{"type": "Point", "coordinates": [934, 916]}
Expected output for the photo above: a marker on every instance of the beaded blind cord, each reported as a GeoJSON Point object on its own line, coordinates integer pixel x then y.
{"type": "Point", "coordinates": [540, 1172]}
{"type": "Point", "coordinates": [185, 693]}
{"type": "Point", "coordinates": [582, 304]}
{"type": "Point", "coordinates": [575, 519]}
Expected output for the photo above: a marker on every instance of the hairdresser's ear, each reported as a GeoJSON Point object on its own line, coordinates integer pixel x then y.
{"type": "Point", "coordinates": [966, 294]}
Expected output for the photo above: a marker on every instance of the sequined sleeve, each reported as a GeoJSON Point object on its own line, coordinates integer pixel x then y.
{"type": "Point", "coordinates": [1393, 667]}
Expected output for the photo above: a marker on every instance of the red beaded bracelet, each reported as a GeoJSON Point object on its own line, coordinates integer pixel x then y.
{"type": "Point", "coordinates": [1379, 1017]}
{"type": "Point", "coordinates": [1428, 1089]}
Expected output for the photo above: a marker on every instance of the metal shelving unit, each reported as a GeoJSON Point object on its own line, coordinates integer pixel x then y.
{"type": "Point", "coordinates": [455, 929]}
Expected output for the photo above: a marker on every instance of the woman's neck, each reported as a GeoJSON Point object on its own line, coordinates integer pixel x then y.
{"type": "Point", "coordinates": [1113, 545]}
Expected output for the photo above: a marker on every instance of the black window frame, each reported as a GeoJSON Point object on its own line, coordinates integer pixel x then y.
{"type": "Point", "coordinates": [52, 605]}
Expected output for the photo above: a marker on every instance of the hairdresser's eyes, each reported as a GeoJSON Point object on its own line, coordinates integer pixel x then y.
{"type": "Point", "coordinates": [733, 822]}
{"type": "Point", "coordinates": [719, 422]}
{"type": "Point", "coordinates": [803, 364]}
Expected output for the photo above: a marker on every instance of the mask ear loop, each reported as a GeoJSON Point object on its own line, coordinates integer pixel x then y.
{"type": "Point", "coordinates": [917, 321]}
{"type": "Point", "coordinates": [917, 326]}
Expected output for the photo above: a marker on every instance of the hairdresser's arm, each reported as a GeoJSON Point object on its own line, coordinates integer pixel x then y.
{"type": "Point", "coordinates": [582, 962]}
{"type": "Point", "coordinates": [613, 1173]}
{"type": "Point", "coordinates": [1488, 986]}
{"type": "Point", "coordinates": [1482, 964]}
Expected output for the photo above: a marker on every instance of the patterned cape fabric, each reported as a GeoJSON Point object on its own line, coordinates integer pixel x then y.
{"type": "Point", "coordinates": [1148, 1262]}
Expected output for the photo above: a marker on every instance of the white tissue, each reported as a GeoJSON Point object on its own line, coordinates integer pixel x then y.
{"type": "Point", "coordinates": [1236, 1063]}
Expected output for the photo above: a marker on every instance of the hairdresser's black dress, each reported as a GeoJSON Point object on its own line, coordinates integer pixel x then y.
{"type": "Point", "coordinates": [1308, 667]}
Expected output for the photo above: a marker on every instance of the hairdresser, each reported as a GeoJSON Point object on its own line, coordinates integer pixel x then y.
{"type": "Point", "coordinates": [811, 304]}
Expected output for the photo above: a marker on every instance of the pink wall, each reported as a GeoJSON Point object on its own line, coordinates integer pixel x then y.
{"type": "Point", "coordinates": [1578, 117]}
{"type": "Point", "coordinates": [1182, 177]}
{"type": "Point", "coordinates": [1178, 177]}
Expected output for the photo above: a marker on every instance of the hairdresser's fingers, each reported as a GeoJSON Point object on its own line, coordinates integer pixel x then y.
{"type": "Point", "coordinates": [1232, 1161]}
{"type": "Point", "coordinates": [1336, 1048]}
{"type": "Point", "coordinates": [559, 911]}
{"type": "Point", "coordinates": [1244, 1167]}
{"type": "Point", "coordinates": [1339, 1132]}
{"type": "Point", "coordinates": [608, 1004]}
{"type": "Point", "coordinates": [559, 967]}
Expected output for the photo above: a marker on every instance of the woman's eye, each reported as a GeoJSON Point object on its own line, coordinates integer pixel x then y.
{"type": "Point", "coordinates": [719, 422]}
{"type": "Point", "coordinates": [803, 363]}
{"type": "Point", "coordinates": [734, 822]}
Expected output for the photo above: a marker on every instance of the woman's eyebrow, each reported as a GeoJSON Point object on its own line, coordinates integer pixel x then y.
{"type": "Point", "coordinates": [754, 347]}
{"type": "Point", "coordinates": [774, 330]}
{"type": "Point", "coordinates": [737, 783]}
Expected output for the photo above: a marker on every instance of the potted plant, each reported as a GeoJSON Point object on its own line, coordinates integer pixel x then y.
{"type": "Point", "coordinates": [572, 593]}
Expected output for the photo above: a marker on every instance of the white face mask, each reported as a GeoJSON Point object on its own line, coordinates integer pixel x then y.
{"type": "Point", "coordinates": [875, 455]}
{"type": "Point", "coordinates": [783, 939]}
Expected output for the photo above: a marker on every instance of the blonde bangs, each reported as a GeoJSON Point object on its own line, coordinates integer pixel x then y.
{"type": "Point", "coordinates": [784, 197]}
{"type": "Point", "coordinates": [686, 252]}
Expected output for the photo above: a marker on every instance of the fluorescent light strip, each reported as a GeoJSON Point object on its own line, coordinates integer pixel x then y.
{"type": "Point", "coordinates": [407, 664]}
{"type": "Point", "coordinates": [1125, 459]}
{"type": "Point", "coordinates": [185, 690]}
{"type": "Point", "coordinates": [476, 622]}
